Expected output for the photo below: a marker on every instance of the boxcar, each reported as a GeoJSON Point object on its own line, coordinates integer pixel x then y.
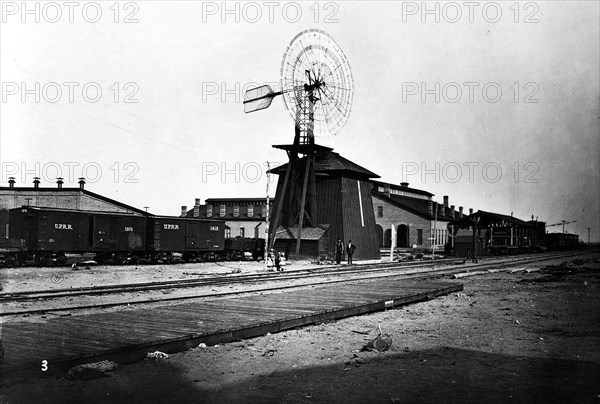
{"type": "Point", "coordinates": [194, 239]}
{"type": "Point", "coordinates": [120, 237]}
{"type": "Point", "coordinates": [49, 233]}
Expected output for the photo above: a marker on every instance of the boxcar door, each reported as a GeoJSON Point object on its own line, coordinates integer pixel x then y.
{"type": "Point", "coordinates": [100, 226]}
{"type": "Point", "coordinates": [192, 243]}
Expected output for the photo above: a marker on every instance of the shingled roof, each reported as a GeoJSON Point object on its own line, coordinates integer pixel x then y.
{"type": "Point", "coordinates": [402, 188]}
{"type": "Point", "coordinates": [417, 206]}
{"type": "Point", "coordinates": [332, 163]}
{"type": "Point", "coordinates": [308, 233]}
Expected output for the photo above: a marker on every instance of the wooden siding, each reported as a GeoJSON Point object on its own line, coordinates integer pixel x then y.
{"type": "Point", "coordinates": [361, 230]}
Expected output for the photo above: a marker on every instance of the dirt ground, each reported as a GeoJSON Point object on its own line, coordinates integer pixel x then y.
{"type": "Point", "coordinates": [508, 337]}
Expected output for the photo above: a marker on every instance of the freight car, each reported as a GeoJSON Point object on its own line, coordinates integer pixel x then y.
{"type": "Point", "coordinates": [47, 235]}
{"type": "Point", "coordinates": [194, 239]}
{"type": "Point", "coordinates": [241, 248]}
{"type": "Point", "coordinates": [561, 241]}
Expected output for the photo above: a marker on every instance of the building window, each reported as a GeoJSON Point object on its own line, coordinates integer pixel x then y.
{"type": "Point", "coordinates": [227, 232]}
{"type": "Point", "coordinates": [250, 210]}
{"type": "Point", "coordinates": [242, 232]}
{"type": "Point", "coordinates": [419, 236]}
{"type": "Point", "coordinates": [208, 210]}
{"type": "Point", "coordinates": [380, 211]}
{"type": "Point", "coordinates": [236, 210]}
{"type": "Point", "coordinates": [222, 210]}
{"type": "Point", "coordinates": [264, 211]}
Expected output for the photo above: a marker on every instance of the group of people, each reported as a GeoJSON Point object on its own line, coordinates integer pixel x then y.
{"type": "Point", "coordinates": [339, 251]}
{"type": "Point", "coordinates": [277, 259]}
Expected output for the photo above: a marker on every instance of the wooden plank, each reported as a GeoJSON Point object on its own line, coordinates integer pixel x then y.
{"type": "Point", "coordinates": [181, 326]}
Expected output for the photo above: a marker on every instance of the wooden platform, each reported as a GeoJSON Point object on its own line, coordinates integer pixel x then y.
{"type": "Point", "coordinates": [127, 335]}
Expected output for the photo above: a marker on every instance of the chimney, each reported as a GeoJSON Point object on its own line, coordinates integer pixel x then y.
{"type": "Point", "coordinates": [404, 184]}
{"type": "Point", "coordinates": [11, 182]}
{"type": "Point", "coordinates": [36, 182]}
{"type": "Point", "coordinates": [430, 207]}
{"type": "Point", "coordinates": [387, 190]}
{"type": "Point", "coordinates": [183, 211]}
{"type": "Point", "coordinates": [452, 211]}
{"type": "Point", "coordinates": [81, 182]}
{"type": "Point", "coordinates": [59, 181]}
{"type": "Point", "coordinates": [460, 212]}
{"type": "Point", "coordinates": [470, 211]}
{"type": "Point", "coordinates": [197, 208]}
{"type": "Point", "coordinates": [446, 200]}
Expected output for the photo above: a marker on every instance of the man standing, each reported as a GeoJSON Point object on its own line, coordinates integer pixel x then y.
{"type": "Point", "coordinates": [350, 251]}
{"type": "Point", "coordinates": [277, 261]}
{"type": "Point", "coordinates": [339, 250]}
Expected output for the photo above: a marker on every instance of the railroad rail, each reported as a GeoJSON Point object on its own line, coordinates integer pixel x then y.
{"type": "Point", "coordinates": [366, 271]}
{"type": "Point", "coordinates": [256, 277]}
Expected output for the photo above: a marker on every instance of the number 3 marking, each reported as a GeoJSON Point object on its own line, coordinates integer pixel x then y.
{"type": "Point", "coordinates": [44, 365]}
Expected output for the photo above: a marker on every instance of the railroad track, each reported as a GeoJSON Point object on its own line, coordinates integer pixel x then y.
{"type": "Point", "coordinates": [365, 272]}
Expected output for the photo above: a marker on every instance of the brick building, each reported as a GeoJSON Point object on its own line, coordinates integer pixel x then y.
{"type": "Point", "coordinates": [244, 217]}
{"type": "Point", "coordinates": [408, 217]}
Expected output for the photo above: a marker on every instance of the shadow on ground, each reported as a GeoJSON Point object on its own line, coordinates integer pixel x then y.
{"type": "Point", "coordinates": [430, 376]}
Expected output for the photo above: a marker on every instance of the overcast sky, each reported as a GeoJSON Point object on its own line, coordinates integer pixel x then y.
{"type": "Point", "coordinates": [493, 104]}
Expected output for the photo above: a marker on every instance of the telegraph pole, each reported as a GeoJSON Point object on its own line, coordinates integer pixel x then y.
{"type": "Point", "coordinates": [588, 236]}
{"type": "Point", "coordinates": [433, 242]}
{"type": "Point", "coordinates": [266, 254]}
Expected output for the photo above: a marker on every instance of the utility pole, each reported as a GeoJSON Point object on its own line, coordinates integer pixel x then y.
{"type": "Point", "coordinates": [392, 241]}
{"type": "Point", "coordinates": [266, 254]}
{"type": "Point", "coordinates": [588, 236]}
{"type": "Point", "coordinates": [434, 238]}
{"type": "Point", "coordinates": [563, 223]}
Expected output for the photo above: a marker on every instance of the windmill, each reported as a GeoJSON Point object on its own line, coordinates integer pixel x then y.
{"type": "Point", "coordinates": [317, 90]}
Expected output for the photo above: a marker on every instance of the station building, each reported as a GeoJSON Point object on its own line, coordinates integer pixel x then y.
{"type": "Point", "coordinates": [409, 218]}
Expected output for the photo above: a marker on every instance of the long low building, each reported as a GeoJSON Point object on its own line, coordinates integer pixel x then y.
{"type": "Point", "coordinates": [59, 197]}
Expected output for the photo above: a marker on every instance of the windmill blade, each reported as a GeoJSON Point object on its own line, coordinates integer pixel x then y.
{"type": "Point", "coordinates": [259, 98]}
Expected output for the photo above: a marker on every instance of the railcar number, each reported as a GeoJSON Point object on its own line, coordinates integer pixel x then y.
{"type": "Point", "coordinates": [214, 228]}
{"type": "Point", "coordinates": [128, 228]}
